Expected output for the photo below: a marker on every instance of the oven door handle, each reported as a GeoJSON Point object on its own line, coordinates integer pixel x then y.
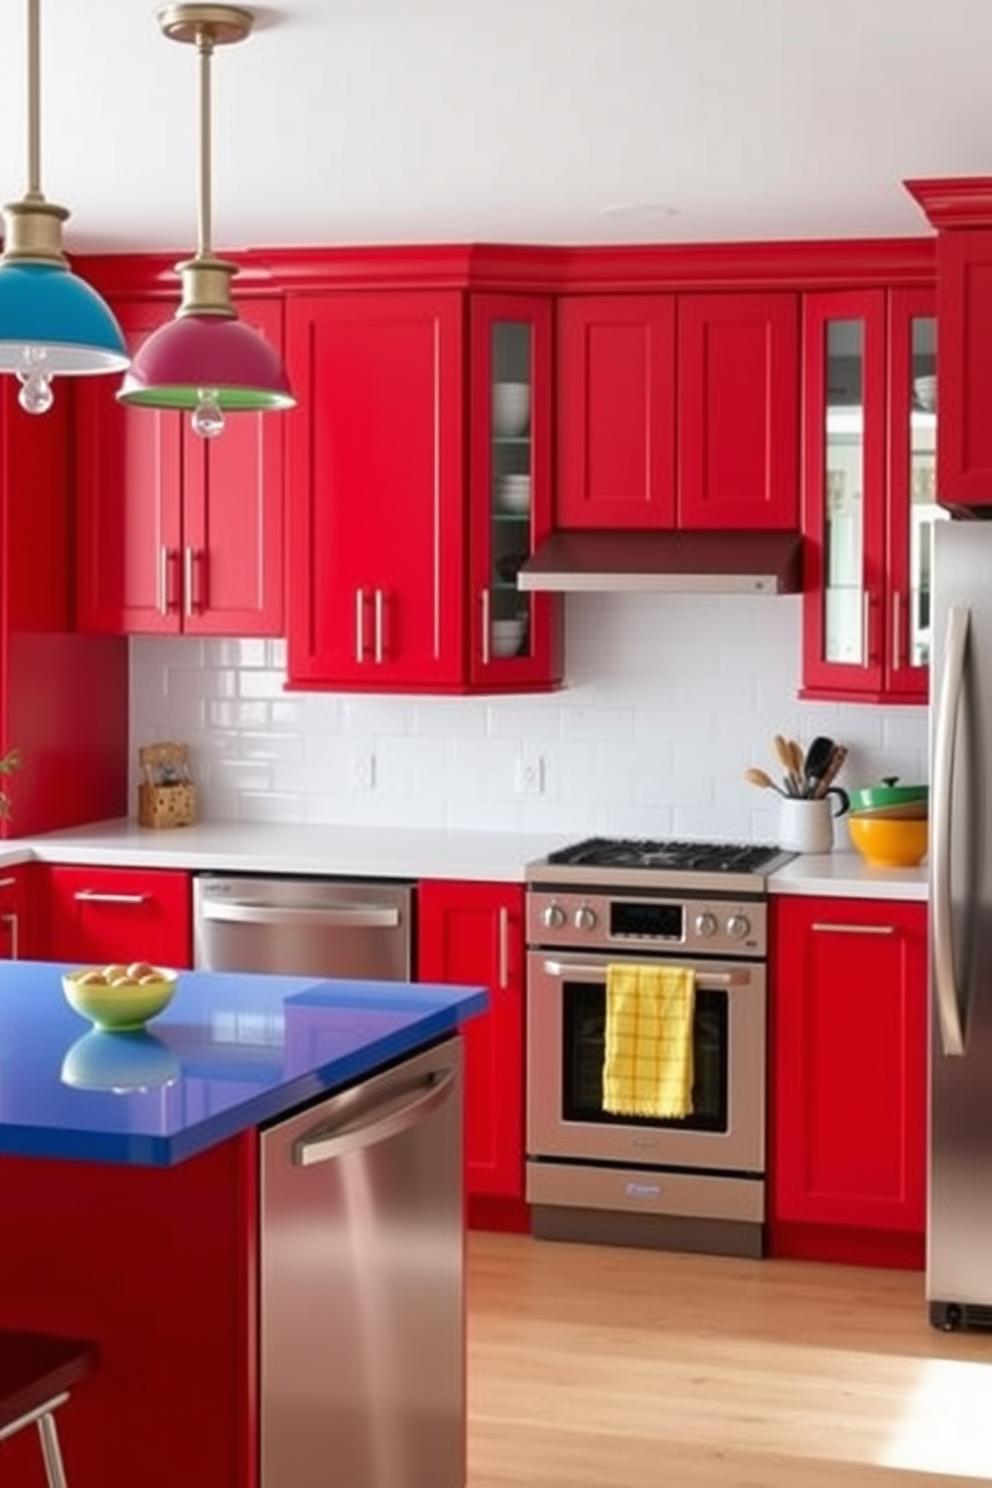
{"type": "Point", "coordinates": [706, 981]}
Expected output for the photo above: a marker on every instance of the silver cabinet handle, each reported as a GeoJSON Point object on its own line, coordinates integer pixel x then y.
{"type": "Point", "coordinates": [896, 631]}
{"type": "Point", "coordinates": [359, 625]}
{"type": "Point", "coordinates": [944, 738]}
{"type": "Point", "coordinates": [8, 883]}
{"type": "Point", "coordinates": [97, 896]}
{"type": "Point", "coordinates": [866, 625]}
{"type": "Point", "coordinates": [484, 602]}
{"type": "Point", "coordinates": [163, 580]}
{"type": "Point", "coordinates": [838, 928]}
{"type": "Point", "coordinates": [390, 1119]}
{"type": "Point", "coordinates": [347, 918]}
{"type": "Point", "coordinates": [708, 981]}
{"type": "Point", "coordinates": [11, 921]}
{"type": "Point", "coordinates": [503, 972]}
{"type": "Point", "coordinates": [379, 627]}
{"type": "Point", "coordinates": [194, 559]}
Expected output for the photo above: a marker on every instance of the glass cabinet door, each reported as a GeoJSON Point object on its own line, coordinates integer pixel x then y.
{"type": "Point", "coordinates": [514, 632]}
{"type": "Point", "coordinates": [845, 491]}
{"type": "Point", "coordinates": [912, 487]}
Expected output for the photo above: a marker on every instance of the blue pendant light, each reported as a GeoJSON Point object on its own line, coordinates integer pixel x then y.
{"type": "Point", "coordinates": [51, 321]}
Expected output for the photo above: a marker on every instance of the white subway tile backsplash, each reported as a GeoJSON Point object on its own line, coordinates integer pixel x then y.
{"type": "Point", "coordinates": [667, 700]}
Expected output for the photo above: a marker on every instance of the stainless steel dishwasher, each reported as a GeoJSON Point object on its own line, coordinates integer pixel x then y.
{"type": "Point", "coordinates": [303, 926]}
{"type": "Point", "coordinates": [361, 1268]}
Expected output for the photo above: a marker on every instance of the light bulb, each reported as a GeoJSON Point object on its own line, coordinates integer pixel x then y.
{"type": "Point", "coordinates": [208, 416]}
{"type": "Point", "coordinates": [36, 395]}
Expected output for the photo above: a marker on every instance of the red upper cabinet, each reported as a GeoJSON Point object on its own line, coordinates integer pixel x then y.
{"type": "Point", "coordinates": [514, 637]}
{"type": "Point", "coordinates": [849, 1058]}
{"type": "Point", "coordinates": [616, 411]}
{"type": "Point", "coordinates": [177, 533]}
{"type": "Point", "coordinates": [409, 511]}
{"type": "Point", "coordinates": [870, 494]}
{"type": "Point", "coordinates": [376, 517]}
{"type": "Point", "coordinates": [678, 410]}
{"type": "Point", "coordinates": [73, 770]}
{"type": "Point", "coordinates": [738, 411]}
{"type": "Point", "coordinates": [961, 211]}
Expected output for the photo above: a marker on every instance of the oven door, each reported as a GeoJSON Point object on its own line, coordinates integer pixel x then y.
{"type": "Point", "coordinates": [566, 1016]}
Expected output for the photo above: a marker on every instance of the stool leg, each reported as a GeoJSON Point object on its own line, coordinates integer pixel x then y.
{"type": "Point", "coordinates": [54, 1470]}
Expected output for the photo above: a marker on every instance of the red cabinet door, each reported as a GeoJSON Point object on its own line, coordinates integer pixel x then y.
{"type": "Point", "coordinates": [233, 556]}
{"type": "Point", "coordinates": [100, 915]}
{"type": "Point", "coordinates": [616, 411]}
{"type": "Point", "coordinates": [375, 508]}
{"type": "Point", "coordinates": [129, 501]}
{"type": "Point", "coordinates": [474, 933]}
{"type": "Point", "coordinates": [849, 1096]}
{"type": "Point", "coordinates": [964, 312]}
{"type": "Point", "coordinates": [14, 936]}
{"type": "Point", "coordinates": [176, 533]}
{"type": "Point", "coordinates": [738, 411]}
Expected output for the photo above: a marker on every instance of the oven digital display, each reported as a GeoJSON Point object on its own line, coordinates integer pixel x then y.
{"type": "Point", "coordinates": [646, 920]}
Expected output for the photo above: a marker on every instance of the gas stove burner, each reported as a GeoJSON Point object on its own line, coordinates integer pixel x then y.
{"type": "Point", "coordinates": [682, 857]}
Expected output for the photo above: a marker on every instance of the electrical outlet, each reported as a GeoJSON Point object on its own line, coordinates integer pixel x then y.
{"type": "Point", "coordinates": [361, 772]}
{"type": "Point", "coordinates": [529, 778]}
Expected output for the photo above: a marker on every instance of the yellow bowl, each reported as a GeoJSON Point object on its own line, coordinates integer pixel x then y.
{"type": "Point", "coordinates": [889, 842]}
{"type": "Point", "coordinates": [120, 1007]}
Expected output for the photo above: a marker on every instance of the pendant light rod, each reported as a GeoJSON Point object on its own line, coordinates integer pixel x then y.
{"type": "Point", "coordinates": [34, 192]}
{"type": "Point", "coordinates": [204, 228]}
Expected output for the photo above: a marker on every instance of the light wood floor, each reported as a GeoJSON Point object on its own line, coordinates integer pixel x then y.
{"type": "Point", "coordinates": [635, 1369]}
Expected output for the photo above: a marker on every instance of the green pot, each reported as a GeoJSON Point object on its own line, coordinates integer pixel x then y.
{"type": "Point", "coordinates": [889, 795]}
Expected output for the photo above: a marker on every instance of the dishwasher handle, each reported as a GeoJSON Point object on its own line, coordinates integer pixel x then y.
{"type": "Point", "coordinates": [348, 917]}
{"type": "Point", "coordinates": [389, 1119]}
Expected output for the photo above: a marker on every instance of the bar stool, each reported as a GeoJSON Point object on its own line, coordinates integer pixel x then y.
{"type": "Point", "coordinates": [36, 1373]}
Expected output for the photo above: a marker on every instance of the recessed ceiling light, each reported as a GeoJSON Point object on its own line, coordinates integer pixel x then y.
{"type": "Point", "coordinates": [643, 211]}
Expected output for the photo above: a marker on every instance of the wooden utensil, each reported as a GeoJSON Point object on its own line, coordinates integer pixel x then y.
{"type": "Point", "coordinates": [763, 780]}
{"type": "Point", "coordinates": [793, 782]}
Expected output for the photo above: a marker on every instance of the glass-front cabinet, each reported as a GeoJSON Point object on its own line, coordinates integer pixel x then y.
{"type": "Point", "coordinates": [514, 635]}
{"type": "Point", "coordinates": [870, 498]}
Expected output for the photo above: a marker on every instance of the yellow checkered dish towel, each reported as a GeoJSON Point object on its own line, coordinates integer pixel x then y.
{"type": "Point", "coordinates": [648, 1065]}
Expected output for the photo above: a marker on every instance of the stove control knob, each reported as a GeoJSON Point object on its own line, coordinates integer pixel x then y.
{"type": "Point", "coordinates": [553, 917]}
{"type": "Point", "coordinates": [738, 926]}
{"type": "Point", "coordinates": [585, 918]}
{"type": "Point", "coordinates": [706, 924]}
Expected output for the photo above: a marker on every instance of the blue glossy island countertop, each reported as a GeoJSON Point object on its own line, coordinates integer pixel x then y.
{"type": "Point", "coordinates": [231, 1051]}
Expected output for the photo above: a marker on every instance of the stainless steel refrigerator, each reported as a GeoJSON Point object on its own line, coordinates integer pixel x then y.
{"type": "Point", "coordinates": [959, 1220]}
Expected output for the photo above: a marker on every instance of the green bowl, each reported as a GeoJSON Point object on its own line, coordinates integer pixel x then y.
{"type": "Point", "coordinates": [889, 795]}
{"type": "Point", "coordinates": [118, 1008]}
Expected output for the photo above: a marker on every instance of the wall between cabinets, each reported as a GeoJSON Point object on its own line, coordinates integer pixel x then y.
{"type": "Point", "coordinates": [668, 699]}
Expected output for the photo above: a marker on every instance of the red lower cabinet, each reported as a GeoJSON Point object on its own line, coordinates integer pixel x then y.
{"type": "Point", "coordinates": [15, 940]}
{"type": "Point", "coordinates": [474, 933]}
{"type": "Point", "coordinates": [848, 1099]}
{"type": "Point", "coordinates": [97, 915]}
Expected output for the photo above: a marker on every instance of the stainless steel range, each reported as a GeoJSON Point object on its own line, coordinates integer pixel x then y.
{"type": "Point", "coordinates": [692, 1183]}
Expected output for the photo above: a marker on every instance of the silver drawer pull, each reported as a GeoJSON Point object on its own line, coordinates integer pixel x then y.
{"type": "Point", "coordinates": [839, 929]}
{"type": "Point", "coordinates": [707, 981]}
{"type": "Point", "coordinates": [10, 920]}
{"type": "Point", "coordinates": [97, 896]}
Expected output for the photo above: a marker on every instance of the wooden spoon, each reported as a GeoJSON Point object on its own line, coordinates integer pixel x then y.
{"type": "Point", "coordinates": [784, 755]}
{"type": "Point", "coordinates": [762, 779]}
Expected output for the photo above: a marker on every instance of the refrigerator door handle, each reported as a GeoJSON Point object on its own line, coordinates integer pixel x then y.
{"type": "Point", "coordinates": [945, 734]}
{"type": "Point", "coordinates": [396, 1114]}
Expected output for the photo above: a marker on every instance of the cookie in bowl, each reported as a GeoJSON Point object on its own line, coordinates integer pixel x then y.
{"type": "Point", "coordinates": [120, 997]}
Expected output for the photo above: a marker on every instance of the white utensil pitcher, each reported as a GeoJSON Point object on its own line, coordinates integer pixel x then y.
{"type": "Point", "coordinates": [806, 826]}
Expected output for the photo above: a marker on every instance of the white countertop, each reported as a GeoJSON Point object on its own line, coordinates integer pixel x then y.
{"type": "Point", "coordinates": [845, 875]}
{"type": "Point", "coordinates": [402, 852]}
{"type": "Point", "coordinates": [361, 852]}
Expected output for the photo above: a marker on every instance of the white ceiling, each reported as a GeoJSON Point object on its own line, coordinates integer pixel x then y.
{"type": "Point", "coordinates": [555, 121]}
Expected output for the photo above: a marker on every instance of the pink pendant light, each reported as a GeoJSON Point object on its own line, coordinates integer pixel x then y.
{"type": "Point", "coordinates": [206, 359]}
